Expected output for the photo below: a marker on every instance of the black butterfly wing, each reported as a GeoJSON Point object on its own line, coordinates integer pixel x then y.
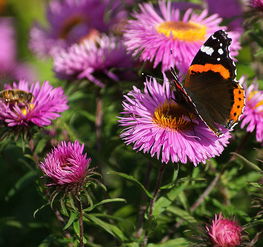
{"type": "Point", "coordinates": [210, 81]}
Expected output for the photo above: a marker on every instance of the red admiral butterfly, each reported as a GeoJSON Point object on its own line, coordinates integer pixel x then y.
{"type": "Point", "coordinates": [209, 88]}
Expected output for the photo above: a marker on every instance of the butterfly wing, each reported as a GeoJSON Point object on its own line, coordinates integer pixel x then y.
{"type": "Point", "coordinates": [210, 83]}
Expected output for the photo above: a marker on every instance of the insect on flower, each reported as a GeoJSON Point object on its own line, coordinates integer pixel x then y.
{"type": "Point", "coordinates": [16, 96]}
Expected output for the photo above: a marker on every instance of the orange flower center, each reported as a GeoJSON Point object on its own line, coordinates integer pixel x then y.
{"type": "Point", "coordinates": [185, 31]}
{"type": "Point", "coordinates": [2, 5]}
{"type": "Point", "coordinates": [173, 116]}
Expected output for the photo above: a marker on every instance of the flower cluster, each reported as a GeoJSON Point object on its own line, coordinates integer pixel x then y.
{"type": "Point", "coordinates": [80, 43]}
{"type": "Point", "coordinates": [71, 21]}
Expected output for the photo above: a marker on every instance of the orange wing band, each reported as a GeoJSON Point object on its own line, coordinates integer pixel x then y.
{"type": "Point", "coordinates": [207, 67]}
{"type": "Point", "coordinates": [239, 103]}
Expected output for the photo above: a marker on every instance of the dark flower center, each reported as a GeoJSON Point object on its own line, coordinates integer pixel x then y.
{"type": "Point", "coordinates": [173, 116]}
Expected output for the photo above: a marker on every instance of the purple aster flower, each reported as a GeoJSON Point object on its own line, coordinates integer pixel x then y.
{"type": "Point", "coordinates": [253, 113]}
{"type": "Point", "coordinates": [233, 12]}
{"type": "Point", "coordinates": [66, 164]}
{"type": "Point", "coordinates": [43, 105]}
{"type": "Point", "coordinates": [156, 124]}
{"type": "Point", "coordinates": [10, 68]}
{"type": "Point", "coordinates": [101, 54]}
{"type": "Point", "coordinates": [72, 20]}
{"type": "Point", "coordinates": [7, 44]}
{"type": "Point", "coordinates": [169, 39]}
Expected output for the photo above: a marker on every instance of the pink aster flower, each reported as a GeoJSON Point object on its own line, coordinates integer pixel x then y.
{"type": "Point", "coordinates": [43, 104]}
{"type": "Point", "coordinates": [101, 54]}
{"type": "Point", "coordinates": [253, 113]}
{"type": "Point", "coordinates": [72, 20]}
{"type": "Point", "coordinates": [156, 124]}
{"type": "Point", "coordinates": [166, 36]}
{"type": "Point", "coordinates": [224, 232]}
{"type": "Point", "coordinates": [66, 164]}
{"type": "Point", "coordinates": [257, 4]}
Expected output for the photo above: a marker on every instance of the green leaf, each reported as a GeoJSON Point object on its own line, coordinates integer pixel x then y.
{"type": "Point", "coordinates": [249, 163]}
{"type": "Point", "coordinates": [131, 245]}
{"type": "Point", "coordinates": [178, 242]}
{"type": "Point", "coordinates": [132, 179]}
{"type": "Point", "coordinates": [111, 229]}
{"type": "Point", "coordinates": [40, 146]}
{"type": "Point", "coordinates": [73, 216]}
{"type": "Point", "coordinates": [37, 210]}
{"type": "Point", "coordinates": [63, 207]}
{"type": "Point", "coordinates": [87, 115]}
{"type": "Point", "coordinates": [104, 202]}
{"type": "Point", "coordinates": [165, 201]}
{"type": "Point", "coordinates": [172, 183]}
{"type": "Point", "coordinates": [182, 214]}
{"type": "Point", "coordinates": [20, 183]}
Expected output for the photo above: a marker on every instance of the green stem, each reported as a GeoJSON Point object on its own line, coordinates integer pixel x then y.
{"type": "Point", "coordinates": [81, 227]}
{"type": "Point", "coordinates": [153, 200]}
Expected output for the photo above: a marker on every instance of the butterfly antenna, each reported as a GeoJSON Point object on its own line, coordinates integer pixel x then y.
{"type": "Point", "coordinates": [152, 77]}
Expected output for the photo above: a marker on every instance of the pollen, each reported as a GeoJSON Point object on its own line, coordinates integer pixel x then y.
{"type": "Point", "coordinates": [26, 109]}
{"type": "Point", "coordinates": [251, 95]}
{"type": "Point", "coordinates": [173, 116]}
{"type": "Point", "coordinates": [185, 31]}
{"type": "Point", "coordinates": [93, 34]}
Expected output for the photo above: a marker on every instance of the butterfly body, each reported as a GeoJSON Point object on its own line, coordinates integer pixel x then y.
{"type": "Point", "coordinates": [210, 89]}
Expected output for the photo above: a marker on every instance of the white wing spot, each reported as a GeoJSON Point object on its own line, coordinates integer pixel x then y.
{"type": "Point", "coordinates": [218, 59]}
{"type": "Point", "coordinates": [208, 50]}
{"type": "Point", "coordinates": [221, 44]}
{"type": "Point", "coordinates": [220, 51]}
{"type": "Point", "coordinates": [213, 37]}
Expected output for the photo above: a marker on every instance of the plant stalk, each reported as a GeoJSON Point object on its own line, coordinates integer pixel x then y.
{"type": "Point", "coordinates": [81, 227]}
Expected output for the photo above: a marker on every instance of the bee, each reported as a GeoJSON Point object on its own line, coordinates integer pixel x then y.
{"type": "Point", "coordinates": [16, 96]}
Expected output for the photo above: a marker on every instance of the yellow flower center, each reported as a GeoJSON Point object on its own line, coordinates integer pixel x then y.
{"type": "Point", "coordinates": [251, 95]}
{"type": "Point", "coordinates": [69, 25]}
{"type": "Point", "coordinates": [185, 31]}
{"type": "Point", "coordinates": [173, 116]}
{"type": "Point", "coordinates": [27, 109]}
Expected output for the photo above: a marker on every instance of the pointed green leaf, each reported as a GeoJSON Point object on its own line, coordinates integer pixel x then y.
{"type": "Point", "coordinates": [132, 179]}
{"type": "Point", "coordinates": [182, 214]}
{"type": "Point", "coordinates": [251, 164]}
{"type": "Point", "coordinates": [111, 229]}
{"type": "Point", "coordinates": [20, 183]}
{"type": "Point", "coordinates": [104, 202]}
{"type": "Point", "coordinates": [73, 216]}
{"type": "Point", "coordinates": [178, 242]}
{"type": "Point", "coordinates": [37, 210]}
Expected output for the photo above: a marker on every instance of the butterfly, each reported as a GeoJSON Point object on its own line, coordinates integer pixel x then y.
{"type": "Point", "coordinates": [210, 89]}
